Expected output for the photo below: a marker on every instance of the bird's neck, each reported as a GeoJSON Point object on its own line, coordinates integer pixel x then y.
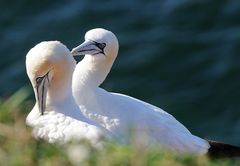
{"type": "Point", "coordinates": [90, 72]}
{"type": "Point", "coordinates": [60, 98]}
{"type": "Point", "coordinates": [60, 86]}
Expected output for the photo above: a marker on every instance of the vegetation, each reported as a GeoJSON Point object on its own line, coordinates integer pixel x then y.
{"type": "Point", "coordinates": [18, 147]}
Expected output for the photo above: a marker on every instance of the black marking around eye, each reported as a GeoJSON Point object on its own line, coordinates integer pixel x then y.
{"type": "Point", "coordinates": [39, 80]}
{"type": "Point", "coordinates": [101, 45]}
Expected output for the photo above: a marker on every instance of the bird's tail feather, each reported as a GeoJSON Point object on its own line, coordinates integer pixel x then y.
{"type": "Point", "coordinates": [222, 150]}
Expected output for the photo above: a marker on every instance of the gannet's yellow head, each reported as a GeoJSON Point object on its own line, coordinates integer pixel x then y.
{"type": "Point", "coordinates": [49, 67]}
{"type": "Point", "coordinates": [99, 43]}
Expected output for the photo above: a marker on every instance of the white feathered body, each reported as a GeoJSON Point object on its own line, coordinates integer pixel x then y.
{"type": "Point", "coordinates": [130, 118]}
{"type": "Point", "coordinates": [64, 122]}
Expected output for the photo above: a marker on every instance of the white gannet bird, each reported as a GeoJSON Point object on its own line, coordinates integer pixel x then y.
{"type": "Point", "coordinates": [120, 113]}
{"type": "Point", "coordinates": [55, 116]}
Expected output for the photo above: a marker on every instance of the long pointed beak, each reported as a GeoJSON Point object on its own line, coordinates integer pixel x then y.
{"type": "Point", "coordinates": [41, 92]}
{"type": "Point", "coordinates": [87, 47]}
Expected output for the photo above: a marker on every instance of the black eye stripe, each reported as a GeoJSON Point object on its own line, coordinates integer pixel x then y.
{"type": "Point", "coordinates": [101, 45]}
{"type": "Point", "coordinates": [39, 80]}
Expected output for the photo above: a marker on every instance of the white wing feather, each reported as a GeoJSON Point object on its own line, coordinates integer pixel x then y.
{"type": "Point", "coordinates": [121, 113]}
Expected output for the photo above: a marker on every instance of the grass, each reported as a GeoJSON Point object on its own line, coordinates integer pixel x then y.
{"type": "Point", "coordinates": [18, 147]}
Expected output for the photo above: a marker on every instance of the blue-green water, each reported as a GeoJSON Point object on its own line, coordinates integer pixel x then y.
{"type": "Point", "coordinates": [181, 55]}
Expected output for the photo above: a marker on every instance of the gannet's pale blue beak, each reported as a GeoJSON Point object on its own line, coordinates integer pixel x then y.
{"type": "Point", "coordinates": [40, 90]}
{"type": "Point", "coordinates": [89, 47]}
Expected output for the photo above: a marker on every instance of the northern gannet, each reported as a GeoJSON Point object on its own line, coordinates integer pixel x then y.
{"type": "Point", "coordinates": [55, 116]}
{"type": "Point", "coordinates": [121, 114]}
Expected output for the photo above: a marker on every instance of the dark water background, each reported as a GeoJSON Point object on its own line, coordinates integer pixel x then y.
{"type": "Point", "coordinates": [181, 55]}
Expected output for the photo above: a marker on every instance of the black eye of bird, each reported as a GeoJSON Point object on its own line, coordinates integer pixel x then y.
{"type": "Point", "coordinates": [39, 80]}
{"type": "Point", "coordinates": [101, 45]}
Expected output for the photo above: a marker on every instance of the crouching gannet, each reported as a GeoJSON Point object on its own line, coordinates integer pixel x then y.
{"type": "Point", "coordinates": [55, 116]}
{"type": "Point", "coordinates": [120, 113]}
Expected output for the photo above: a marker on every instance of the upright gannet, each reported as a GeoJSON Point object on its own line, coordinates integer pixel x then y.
{"type": "Point", "coordinates": [55, 116]}
{"type": "Point", "coordinates": [120, 113]}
